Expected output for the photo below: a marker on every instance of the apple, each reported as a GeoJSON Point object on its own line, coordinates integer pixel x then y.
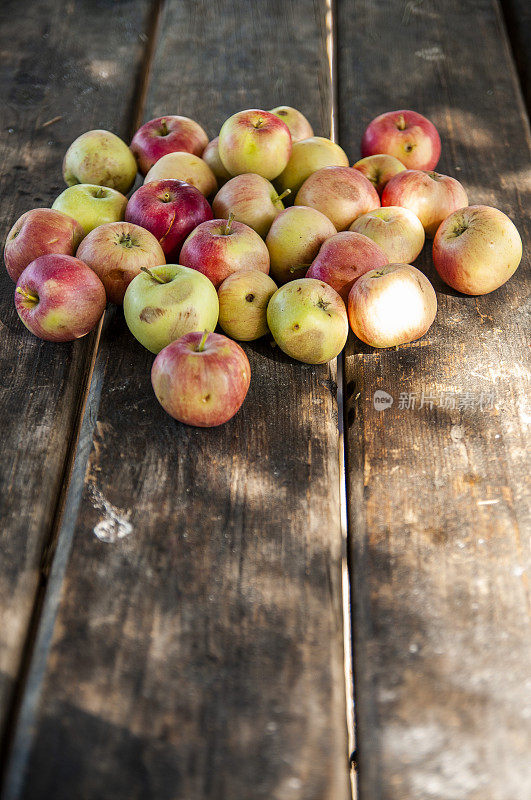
{"type": "Point", "coordinates": [429, 195]}
{"type": "Point", "coordinates": [37, 233]}
{"type": "Point", "coordinates": [100, 158]}
{"type": "Point", "coordinates": [117, 252]}
{"type": "Point", "coordinates": [307, 156]}
{"type": "Point", "coordinates": [163, 303]}
{"type": "Point", "coordinates": [211, 156]}
{"type": "Point", "coordinates": [254, 141]}
{"type": "Point", "coordinates": [308, 320]}
{"type": "Point", "coordinates": [343, 258]}
{"type": "Point", "coordinates": [243, 299]}
{"type": "Point", "coordinates": [408, 136]}
{"type": "Point", "coordinates": [165, 135]}
{"type": "Point", "coordinates": [59, 298]}
{"type": "Point", "coordinates": [391, 306]}
{"type": "Point", "coordinates": [477, 249]}
{"type": "Point", "coordinates": [397, 231]}
{"type": "Point", "coordinates": [294, 240]}
{"type": "Point", "coordinates": [220, 247]}
{"type": "Point", "coordinates": [298, 125]}
{"type": "Point", "coordinates": [91, 205]}
{"type": "Point", "coordinates": [170, 210]}
{"type": "Point", "coordinates": [379, 169]}
{"type": "Point", "coordinates": [340, 193]}
{"type": "Point", "coordinates": [201, 379]}
{"type": "Point", "coordinates": [184, 167]}
{"type": "Point", "coordinates": [252, 199]}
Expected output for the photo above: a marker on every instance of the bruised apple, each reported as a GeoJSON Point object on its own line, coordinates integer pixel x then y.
{"type": "Point", "coordinates": [340, 193]}
{"type": "Point", "coordinates": [201, 379]}
{"type": "Point", "coordinates": [391, 306]}
{"type": "Point", "coordinates": [308, 320]}
{"type": "Point", "coordinates": [243, 299]}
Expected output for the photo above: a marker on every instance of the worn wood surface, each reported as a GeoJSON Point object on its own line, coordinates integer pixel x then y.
{"type": "Point", "coordinates": [517, 15]}
{"type": "Point", "coordinates": [438, 510]}
{"type": "Point", "coordinates": [57, 79]}
{"type": "Point", "coordinates": [199, 653]}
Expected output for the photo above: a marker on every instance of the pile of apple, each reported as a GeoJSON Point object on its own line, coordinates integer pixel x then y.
{"type": "Point", "coordinates": [341, 253]}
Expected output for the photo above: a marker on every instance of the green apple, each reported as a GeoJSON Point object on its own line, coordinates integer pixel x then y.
{"type": "Point", "coordinates": [308, 320]}
{"type": "Point", "coordinates": [163, 303]}
{"type": "Point", "coordinates": [243, 299]}
{"type": "Point", "coordinates": [294, 239]}
{"type": "Point", "coordinates": [91, 205]}
{"type": "Point", "coordinates": [307, 156]}
{"type": "Point", "coordinates": [100, 158]}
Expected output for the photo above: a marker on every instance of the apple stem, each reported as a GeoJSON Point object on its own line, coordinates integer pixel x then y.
{"type": "Point", "coordinates": [228, 226]}
{"type": "Point", "coordinates": [283, 195]}
{"type": "Point", "coordinates": [28, 295]}
{"type": "Point", "coordinates": [202, 343]}
{"type": "Point", "coordinates": [152, 275]}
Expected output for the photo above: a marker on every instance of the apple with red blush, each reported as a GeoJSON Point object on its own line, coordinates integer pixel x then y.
{"type": "Point", "coordinates": [201, 379]}
{"type": "Point", "coordinates": [379, 169]}
{"type": "Point", "coordinates": [219, 247]}
{"type": "Point", "coordinates": [340, 193]}
{"type": "Point", "coordinates": [406, 135]}
{"type": "Point", "coordinates": [477, 249]}
{"type": "Point", "coordinates": [252, 200]}
{"type": "Point", "coordinates": [59, 298]}
{"type": "Point", "coordinates": [255, 141]}
{"type": "Point", "coordinates": [117, 252]}
{"type": "Point", "coordinates": [170, 210]}
{"type": "Point", "coordinates": [37, 233]}
{"type": "Point", "coordinates": [429, 195]}
{"type": "Point", "coordinates": [164, 135]}
{"type": "Point", "coordinates": [343, 258]}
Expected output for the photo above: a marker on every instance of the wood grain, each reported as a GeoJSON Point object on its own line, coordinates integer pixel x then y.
{"type": "Point", "coordinates": [58, 78]}
{"type": "Point", "coordinates": [438, 502]}
{"type": "Point", "coordinates": [199, 653]}
{"type": "Point", "coordinates": [517, 14]}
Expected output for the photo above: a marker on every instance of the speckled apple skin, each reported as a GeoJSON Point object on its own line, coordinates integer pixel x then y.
{"type": "Point", "coordinates": [340, 193]}
{"type": "Point", "coordinates": [406, 135]}
{"type": "Point", "coordinates": [429, 195]}
{"type": "Point", "coordinates": [343, 258]}
{"type": "Point", "coordinates": [183, 134]}
{"type": "Point", "coordinates": [205, 388]}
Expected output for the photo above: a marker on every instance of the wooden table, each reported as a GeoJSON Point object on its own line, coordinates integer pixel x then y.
{"type": "Point", "coordinates": [174, 602]}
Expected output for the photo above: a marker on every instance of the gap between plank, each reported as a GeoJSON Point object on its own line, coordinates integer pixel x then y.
{"type": "Point", "coordinates": [331, 49]}
{"type": "Point", "coordinates": [15, 740]}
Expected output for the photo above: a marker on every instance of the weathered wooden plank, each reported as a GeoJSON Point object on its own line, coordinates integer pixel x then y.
{"type": "Point", "coordinates": [438, 509]}
{"type": "Point", "coordinates": [200, 654]}
{"type": "Point", "coordinates": [58, 77]}
{"type": "Point", "coordinates": [517, 15]}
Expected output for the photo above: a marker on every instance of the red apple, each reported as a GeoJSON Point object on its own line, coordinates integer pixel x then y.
{"type": "Point", "coordinates": [429, 195]}
{"type": "Point", "coordinates": [165, 135]}
{"type": "Point", "coordinates": [117, 252]}
{"type": "Point", "coordinates": [38, 233]}
{"type": "Point", "coordinates": [477, 249]}
{"type": "Point", "coordinates": [340, 193]}
{"type": "Point", "coordinates": [201, 379]}
{"type": "Point", "coordinates": [220, 247]}
{"type": "Point", "coordinates": [406, 135]}
{"type": "Point", "coordinates": [170, 210]}
{"type": "Point", "coordinates": [59, 298]}
{"type": "Point", "coordinates": [391, 306]}
{"type": "Point", "coordinates": [255, 141]}
{"type": "Point", "coordinates": [379, 169]}
{"type": "Point", "coordinates": [343, 258]}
